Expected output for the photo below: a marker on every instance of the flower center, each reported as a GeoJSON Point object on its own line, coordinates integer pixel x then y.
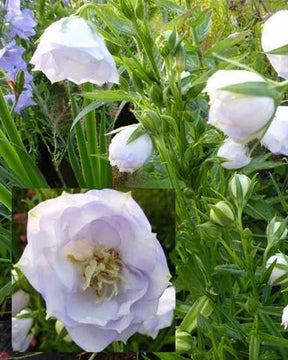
{"type": "Point", "coordinates": [101, 271]}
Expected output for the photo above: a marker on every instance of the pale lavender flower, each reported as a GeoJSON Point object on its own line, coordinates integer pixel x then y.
{"type": "Point", "coordinates": [25, 99]}
{"type": "Point", "coordinates": [22, 22]}
{"type": "Point", "coordinates": [99, 267]}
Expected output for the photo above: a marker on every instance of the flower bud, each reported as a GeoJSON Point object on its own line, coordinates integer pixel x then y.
{"type": "Point", "coordinates": [59, 326]}
{"type": "Point", "coordinates": [19, 81]}
{"type": "Point", "coordinates": [151, 121]}
{"type": "Point", "coordinates": [237, 155]}
{"type": "Point", "coordinates": [180, 58]}
{"type": "Point", "coordinates": [239, 186]}
{"type": "Point", "coordinates": [285, 317]}
{"type": "Point", "coordinates": [274, 36]}
{"type": "Point", "coordinates": [252, 306]}
{"type": "Point", "coordinates": [232, 112]}
{"type": "Point", "coordinates": [156, 94]}
{"type": "Point", "coordinates": [276, 137]}
{"type": "Point", "coordinates": [276, 231]}
{"type": "Point", "coordinates": [129, 157]}
{"type": "Point", "coordinates": [222, 214]}
{"type": "Point", "coordinates": [209, 231]}
{"type": "Point", "coordinates": [280, 268]}
{"type": "Point", "coordinates": [183, 341]}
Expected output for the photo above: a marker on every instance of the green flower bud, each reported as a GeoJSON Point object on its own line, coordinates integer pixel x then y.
{"type": "Point", "coordinates": [150, 121]}
{"type": "Point", "coordinates": [222, 213]}
{"type": "Point", "coordinates": [251, 306]}
{"type": "Point", "coordinates": [209, 231]}
{"type": "Point", "coordinates": [163, 46]}
{"type": "Point", "coordinates": [180, 58]}
{"type": "Point", "coordinates": [19, 81]}
{"type": "Point", "coordinates": [239, 186]}
{"type": "Point", "coordinates": [276, 231]}
{"type": "Point", "coordinates": [183, 341]}
{"type": "Point", "coordinates": [156, 94]}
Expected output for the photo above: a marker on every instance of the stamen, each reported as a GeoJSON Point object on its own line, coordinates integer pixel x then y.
{"type": "Point", "coordinates": [101, 271]}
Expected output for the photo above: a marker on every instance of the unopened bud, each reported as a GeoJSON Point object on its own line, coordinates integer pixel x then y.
{"type": "Point", "coordinates": [183, 341]}
{"type": "Point", "coordinates": [59, 326]}
{"type": "Point", "coordinates": [156, 94]}
{"type": "Point", "coordinates": [222, 214]}
{"type": "Point", "coordinates": [239, 186]}
{"type": "Point", "coordinates": [209, 231]}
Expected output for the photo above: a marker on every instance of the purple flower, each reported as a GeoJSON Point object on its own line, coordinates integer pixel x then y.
{"type": "Point", "coordinates": [11, 59]}
{"type": "Point", "coordinates": [25, 99]}
{"type": "Point", "coordinates": [22, 22]}
{"type": "Point", "coordinates": [11, 62]}
{"type": "Point", "coordinates": [97, 264]}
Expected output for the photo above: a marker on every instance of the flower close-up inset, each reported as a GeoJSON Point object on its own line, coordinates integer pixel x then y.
{"type": "Point", "coordinates": [99, 267]}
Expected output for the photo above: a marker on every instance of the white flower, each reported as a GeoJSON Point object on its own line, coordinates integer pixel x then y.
{"type": "Point", "coordinates": [21, 338]}
{"type": "Point", "coordinates": [285, 317]}
{"type": "Point", "coordinates": [237, 155]}
{"type": "Point", "coordinates": [274, 36]}
{"type": "Point", "coordinates": [164, 316]}
{"type": "Point", "coordinates": [97, 264]}
{"type": "Point", "coordinates": [129, 157]}
{"type": "Point", "coordinates": [239, 116]}
{"type": "Point", "coordinates": [71, 49]}
{"type": "Point", "coordinates": [276, 137]}
{"type": "Point", "coordinates": [20, 300]}
{"type": "Point", "coordinates": [277, 272]}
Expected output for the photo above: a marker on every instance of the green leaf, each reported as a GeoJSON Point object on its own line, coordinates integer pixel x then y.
{"type": "Point", "coordinates": [225, 44]}
{"type": "Point", "coordinates": [230, 269]}
{"type": "Point", "coordinates": [110, 95]}
{"type": "Point", "coordinates": [261, 163]}
{"type": "Point", "coordinates": [169, 356]}
{"type": "Point", "coordinates": [5, 291]}
{"type": "Point", "coordinates": [5, 197]}
{"type": "Point", "coordinates": [119, 22]}
{"type": "Point", "coordinates": [139, 131]}
{"type": "Point", "coordinates": [170, 5]}
{"type": "Point", "coordinates": [254, 346]}
{"type": "Point", "coordinates": [283, 50]}
{"type": "Point", "coordinates": [270, 340]}
{"type": "Point", "coordinates": [203, 306]}
{"type": "Point", "coordinates": [260, 209]}
{"type": "Point", "coordinates": [253, 88]}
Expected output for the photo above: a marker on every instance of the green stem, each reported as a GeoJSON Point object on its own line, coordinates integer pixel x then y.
{"type": "Point", "coordinates": [92, 138]}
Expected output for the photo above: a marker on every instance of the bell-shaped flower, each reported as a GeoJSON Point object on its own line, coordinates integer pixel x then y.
{"type": "Point", "coordinates": [21, 338]}
{"type": "Point", "coordinates": [275, 36]}
{"type": "Point", "coordinates": [236, 155]}
{"type": "Point", "coordinates": [72, 49]}
{"type": "Point", "coordinates": [240, 116]}
{"type": "Point", "coordinates": [276, 137]}
{"type": "Point", "coordinates": [131, 156]}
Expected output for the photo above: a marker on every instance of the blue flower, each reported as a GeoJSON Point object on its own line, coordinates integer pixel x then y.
{"type": "Point", "coordinates": [22, 22]}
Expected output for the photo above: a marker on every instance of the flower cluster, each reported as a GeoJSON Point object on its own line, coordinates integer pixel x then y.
{"type": "Point", "coordinates": [101, 270]}
{"type": "Point", "coordinates": [244, 116]}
